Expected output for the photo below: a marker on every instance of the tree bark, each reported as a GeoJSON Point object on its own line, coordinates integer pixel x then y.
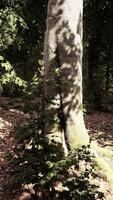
{"type": "Point", "coordinates": [63, 72]}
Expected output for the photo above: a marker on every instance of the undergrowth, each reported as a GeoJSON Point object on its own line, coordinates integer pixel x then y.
{"type": "Point", "coordinates": [44, 166]}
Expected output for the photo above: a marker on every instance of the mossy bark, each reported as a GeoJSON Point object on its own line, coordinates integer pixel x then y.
{"type": "Point", "coordinates": [63, 72]}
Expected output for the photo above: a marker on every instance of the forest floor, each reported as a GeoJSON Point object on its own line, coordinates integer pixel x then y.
{"type": "Point", "coordinates": [100, 128]}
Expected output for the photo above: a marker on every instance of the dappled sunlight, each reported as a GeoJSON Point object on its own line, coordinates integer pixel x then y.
{"type": "Point", "coordinates": [63, 70]}
{"type": "Point", "coordinates": [4, 123]}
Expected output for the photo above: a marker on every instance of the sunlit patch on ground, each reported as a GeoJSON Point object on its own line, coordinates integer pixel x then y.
{"type": "Point", "coordinates": [4, 127]}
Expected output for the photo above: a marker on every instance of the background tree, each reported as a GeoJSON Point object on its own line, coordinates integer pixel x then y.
{"type": "Point", "coordinates": [98, 46]}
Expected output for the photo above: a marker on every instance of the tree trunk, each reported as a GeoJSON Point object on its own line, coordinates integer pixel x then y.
{"type": "Point", "coordinates": [63, 72]}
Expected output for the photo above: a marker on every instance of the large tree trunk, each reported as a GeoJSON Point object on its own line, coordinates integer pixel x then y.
{"type": "Point", "coordinates": [63, 72]}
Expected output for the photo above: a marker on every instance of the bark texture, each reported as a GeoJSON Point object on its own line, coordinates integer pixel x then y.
{"type": "Point", "coordinates": [63, 71]}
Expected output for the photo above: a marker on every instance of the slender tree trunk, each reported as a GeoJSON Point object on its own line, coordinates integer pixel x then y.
{"type": "Point", "coordinates": [107, 75]}
{"type": "Point", "coordinates": [63, 72]}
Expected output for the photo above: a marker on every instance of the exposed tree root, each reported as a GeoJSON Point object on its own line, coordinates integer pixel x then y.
{"type": "Point", "coordinates": [106, 171]}
{"type": "Point", "coordinates": [100, 157]}
{"type": "Point", "coordinates": [102, 151]}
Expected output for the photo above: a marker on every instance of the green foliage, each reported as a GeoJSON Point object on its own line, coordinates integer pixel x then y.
{"type": "Point", "coordinates": [21, 42]}
{"type": "Point", "coordinates": [9, 21]}
{"type": "Point", "coordinates": [9, 80]}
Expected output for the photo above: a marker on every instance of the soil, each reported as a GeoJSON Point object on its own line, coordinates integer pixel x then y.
{"type": "Point", "coordinates": [100, 128]}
